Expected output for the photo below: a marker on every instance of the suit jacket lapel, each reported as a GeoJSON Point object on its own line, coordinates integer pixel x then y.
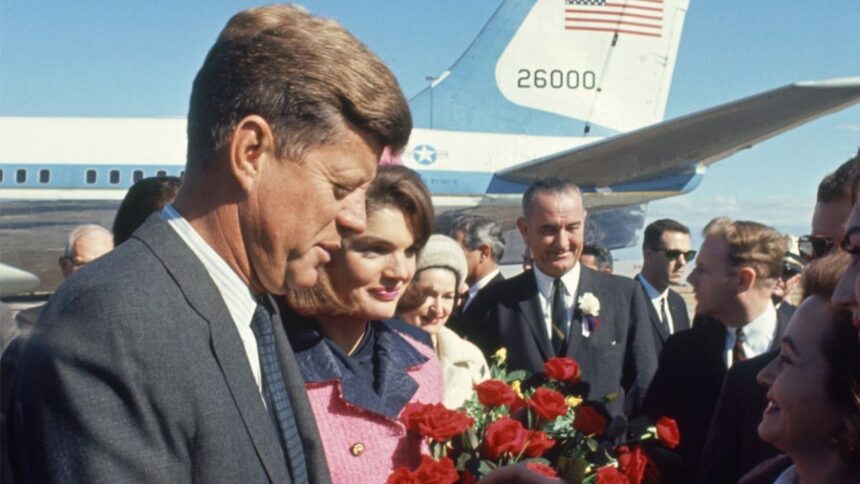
{"type": "Point", "coordinates": [680, 319]}
{"type": "Point", "coordinates": [305, 421]}
{"type": "Point", "coordinates": [203, 296]}
{"type": "Point", "coordinates": [533, 315]}
{"type": "Point", "coordinates": [781, 322]}
{"type": "Point", "coordinates": [586, 284]}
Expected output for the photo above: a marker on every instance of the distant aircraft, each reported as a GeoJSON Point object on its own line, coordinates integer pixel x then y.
{"type": "Point", "coordinates": [574, 88]}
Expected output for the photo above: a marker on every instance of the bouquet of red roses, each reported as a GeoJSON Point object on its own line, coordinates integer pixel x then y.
{"type": "Point", "coordinates": [549, 428]}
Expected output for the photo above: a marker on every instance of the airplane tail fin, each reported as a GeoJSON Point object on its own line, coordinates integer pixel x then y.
{"type": "Point", "coordinates": [560, 67]}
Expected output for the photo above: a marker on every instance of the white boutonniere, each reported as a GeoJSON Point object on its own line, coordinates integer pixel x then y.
{"type": "Point", "coordinates": [590, 307]}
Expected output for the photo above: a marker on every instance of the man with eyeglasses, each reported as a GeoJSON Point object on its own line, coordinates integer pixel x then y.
{"type": "Point", "coordinates": [666, 253]}
{"type": "Point", "coordinates": [792, 269]}
{"type": "Point", "coordinates": [832, 207]}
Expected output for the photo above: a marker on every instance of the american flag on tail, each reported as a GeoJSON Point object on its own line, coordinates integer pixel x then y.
{"type": "Point", "coordinates": [624, 17]}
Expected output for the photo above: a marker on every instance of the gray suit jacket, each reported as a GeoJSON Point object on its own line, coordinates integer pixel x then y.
{"type": "Point", "coordinates": [136, 373]}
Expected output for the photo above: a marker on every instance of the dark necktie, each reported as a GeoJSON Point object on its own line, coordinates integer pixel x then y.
{"type": "Point", "coordinates": [664, 318]}
{"type": "Point", "coordinates": [738, 353]}
{"type": "Point", "coordinates": [276, 395]}
{"type": "Point", "coordinates": [560, 323]}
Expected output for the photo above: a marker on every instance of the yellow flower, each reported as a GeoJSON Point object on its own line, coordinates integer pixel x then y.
{"type": "Point", "coordinates": [515, 386]}
{"type": "Point", "coordinates": [573, 401]}
{"type": "Point", "coordinates": [501, 355]}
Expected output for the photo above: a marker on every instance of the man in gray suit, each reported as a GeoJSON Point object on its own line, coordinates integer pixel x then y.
{"type": "Point", "coordinates": [165, 361]}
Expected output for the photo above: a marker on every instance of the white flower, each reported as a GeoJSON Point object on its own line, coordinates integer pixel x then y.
{"type": "Point", "coordinates": [589, 304]}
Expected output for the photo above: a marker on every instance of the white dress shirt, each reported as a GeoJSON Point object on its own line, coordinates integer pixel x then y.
{"type": "Point", "coordinates": [546, 294]}
{"type": "Point", "coordinates": [657, 299]}
{"type": "Point", "coordinates": [238, 298]}
{"type": "Point", "coordinates": [482, 283]}
{"type": "Point", "coordinates": [758, 335]}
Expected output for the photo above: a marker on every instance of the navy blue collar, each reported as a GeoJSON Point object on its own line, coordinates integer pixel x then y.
{"type": "Point", "coordinates": [393, 357]}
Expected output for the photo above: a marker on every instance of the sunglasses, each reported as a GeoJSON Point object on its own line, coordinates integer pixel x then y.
{"type": "Point", "coordinates": [675, 254]}
{"type": "Point", "coordinates": [813, 247]}
{"type": "Point", "coordinates": [846, 244]}
{"type": "Point", "coordinates": [790, 270]}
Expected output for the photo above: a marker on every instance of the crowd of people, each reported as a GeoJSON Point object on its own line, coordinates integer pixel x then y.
{"type": "Point", "coordinates": [269, 317]}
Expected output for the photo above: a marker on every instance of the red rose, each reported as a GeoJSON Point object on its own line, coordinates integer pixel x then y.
{"type": "Point", "coordinates": [610, 475]}
{"type": "Point", "coordinates": [413, 413]}
{"type": "Point", "coordinates": [562, 369]}
{"type": "Point", "coordinates": [468, 478]}
{"type": "Point", "coordinates": [518, 405]}
{"type": "Point", "coordinates": [538, 444]}
{"type": "Point", "coordinates": [589, 421]}
{"type": "Point", "coordinates": [667, 432]}
{"type": "Point", "coordinates": [541, 469]}
{"type": "Point", "coordinates": [402, 476]}
{"type": "Point", "coordinates": [436, 472]}
{"type": "Point", "coordinates": [441, 424]}
{"type": "Point", "coordinates": [495, 393]}
{"type": "Point", "coordinates": [549, 404]}
{"type": "Point", "coordinates": [652, 473]}
{"type": "Point", "coordinates": [505, 435]}
{"type": "Point", "coordinates": [633, 465]}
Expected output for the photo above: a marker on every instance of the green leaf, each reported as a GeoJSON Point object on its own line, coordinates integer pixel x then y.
{"type": "Point", "coordinates": [571, 469]}
{"type": "Point", "coordinates": [485, 467]}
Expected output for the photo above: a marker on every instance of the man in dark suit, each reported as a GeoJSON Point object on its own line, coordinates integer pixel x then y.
{"type": "Point", "coordinates": [735, 272]}
{"type": "Point", "coordinates": [483, 244]}
{"type": "Point", "coordinates": [665, 255]}
{"type": "Point", "coordinates": [166, 361]}
{"type": "Point", "coordinates": [563, 309]}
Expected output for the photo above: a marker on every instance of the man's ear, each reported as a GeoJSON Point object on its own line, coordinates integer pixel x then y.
{"type": "Point", "coordinates": [251, 147]}
{"type": "Point", "coordinates": [746, 279]}
{"type": "Point", "coordinates": [523, 226]}
{"type": "Point", "coordinates": [486, 252]}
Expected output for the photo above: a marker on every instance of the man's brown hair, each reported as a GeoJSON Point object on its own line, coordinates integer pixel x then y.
{"type": "Point", "coordinates": [751, 244]}
{"type": "Point", "coordinates": [305, 75]}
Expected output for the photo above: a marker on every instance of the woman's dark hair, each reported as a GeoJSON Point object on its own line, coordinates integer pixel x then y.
{"type": "Point", "coordinates": [394, 186]}
{"type": "Point", "coordinates": [144, 198]}
{"type": "Point", "coordinates": [841, 350]}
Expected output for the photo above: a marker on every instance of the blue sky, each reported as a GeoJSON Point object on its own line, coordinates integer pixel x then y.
{"type": "Point", "coordinates": [129, 59]}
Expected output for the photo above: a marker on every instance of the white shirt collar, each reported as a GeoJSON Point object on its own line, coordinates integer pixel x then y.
{"type": "Point", "coordinates": [482, 283]}
{"type": "Point", "coordinates": [650, 290]}
{"type": "Point", "coordinates": [570, 280]}
{"type": "Point", "coordinates": [758, 333]}
{"type": "Point", "coordinates": [237, 296]}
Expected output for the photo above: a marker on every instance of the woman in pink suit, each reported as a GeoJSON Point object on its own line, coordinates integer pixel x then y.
{"type": "Point", "coordinates": [360, 370]}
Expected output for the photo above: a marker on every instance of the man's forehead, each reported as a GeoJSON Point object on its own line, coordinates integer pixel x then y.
{"type": "Point", "coordinates": [557, 204]}
{"type": "Point", "coordinates": [673, 238]}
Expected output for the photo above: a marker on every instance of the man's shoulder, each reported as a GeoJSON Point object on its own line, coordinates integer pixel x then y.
{"type": "Point", "coordinates": [690, 340]}
{"type": "Point", "coordinates": [748, 369]}
{"type": "Point", "coordinates": [504, 289]}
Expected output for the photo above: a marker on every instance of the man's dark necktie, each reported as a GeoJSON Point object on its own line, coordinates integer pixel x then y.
{"type": "Point", "coordinates": [560, 323]}
{"type": "Point", "coordinates": [664, 318]}
{"type": "Point", "coordinates": [276, 395]}
{"type": "Point", "coordinates": [738, 353]}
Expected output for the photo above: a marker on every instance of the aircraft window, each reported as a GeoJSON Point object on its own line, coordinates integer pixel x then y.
{"type": "Point", "coordinates": [21, 175]}
{"type": "Point", "coordinates": [1, 175]}
{"type": "Point", "coordinates": [44, 176]}
{"type": "Point", "coordinates": [113, 177]}
{"type": "Point", "coordinates": [137, 175]}
{"type": "Point", "coordinates": [91, 176]}
{"type": "Point", "coordinates": [161, 173]}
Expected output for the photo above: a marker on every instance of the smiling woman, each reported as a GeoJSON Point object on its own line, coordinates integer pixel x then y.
{"type": "Point", "coordinates": [359, 370]}
{"type": "Point", "coordinates": [428, 304]}
{"type": "Point", "coordinates": [813, 411]}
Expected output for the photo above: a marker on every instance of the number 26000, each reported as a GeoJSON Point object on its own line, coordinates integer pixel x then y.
{"type": "Point", "coordinates": [556, 79]}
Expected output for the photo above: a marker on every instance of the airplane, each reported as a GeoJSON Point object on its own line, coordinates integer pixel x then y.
{"type": "Point", "coordinates": [574, 88]}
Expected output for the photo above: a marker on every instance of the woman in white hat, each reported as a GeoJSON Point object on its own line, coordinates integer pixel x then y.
{"type": "Point", "coordinates": [428, 303]}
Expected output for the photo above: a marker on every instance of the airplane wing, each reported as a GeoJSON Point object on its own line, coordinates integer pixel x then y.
{"type": "Point", "coordinates": [702, 137]}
